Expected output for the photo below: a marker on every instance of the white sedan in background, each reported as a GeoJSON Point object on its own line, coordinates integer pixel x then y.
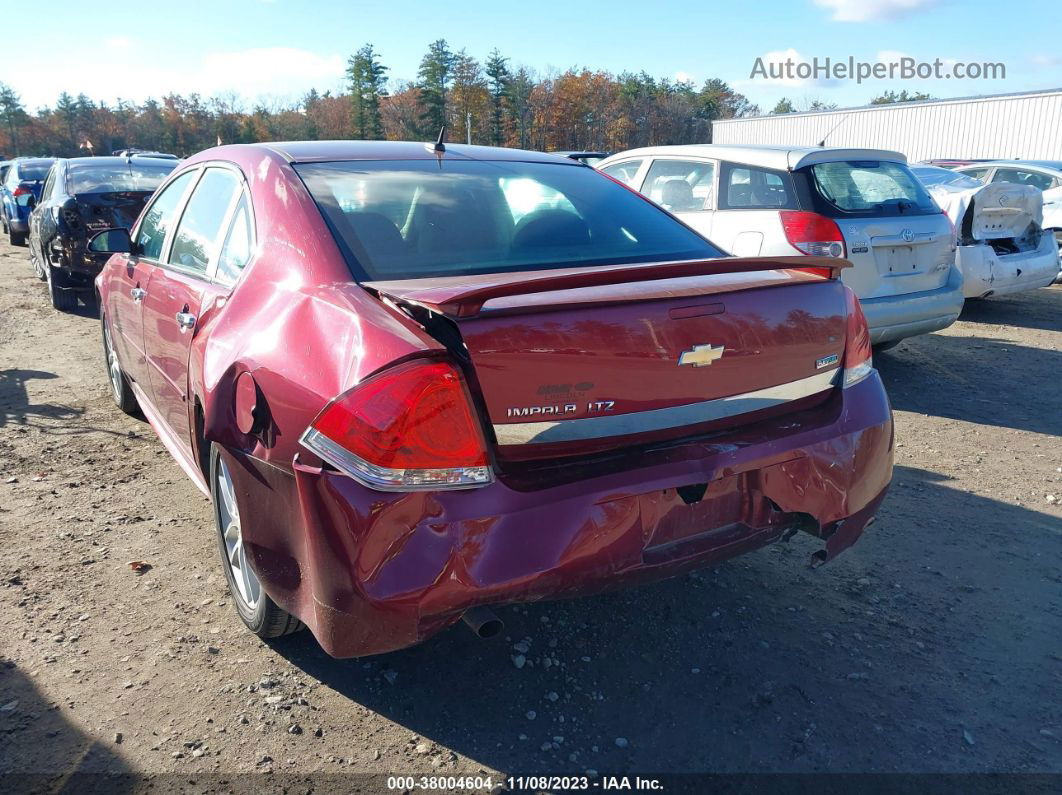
{"type": "Point", "coordinates": [1002, 245]}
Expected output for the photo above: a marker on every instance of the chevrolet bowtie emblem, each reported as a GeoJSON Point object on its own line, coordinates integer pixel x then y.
{"type": "Point", "coordinates": [700, 355]}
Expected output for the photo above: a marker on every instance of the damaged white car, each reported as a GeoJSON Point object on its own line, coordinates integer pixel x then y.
{"type": "Point", "coordinates": [1002, 247]}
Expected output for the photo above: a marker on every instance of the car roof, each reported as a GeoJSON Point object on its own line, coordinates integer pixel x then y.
{"type": "Point", "coordinates": [325, 151]}
{"type": "Point", "coordinates": [1053, 165]}
{"type": "Point", "coordinates": [32, 161]}
{"type": "Point", "coordinates": [782, 158]}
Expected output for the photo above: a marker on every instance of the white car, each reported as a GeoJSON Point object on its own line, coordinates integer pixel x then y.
{"type": "Point", "coordinates": [1046, 175]}
{"type": "Point", "coordinates": [863, 204]}
{"type": "Point", "coordinates": [1002, 246]}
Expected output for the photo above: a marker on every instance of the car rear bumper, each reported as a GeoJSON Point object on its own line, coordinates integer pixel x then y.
{"type": "Point", "coordinates": [895, 317]}
{"type": "Point", "coordinates": [18, 225]}
{"type": "Point", "coordinates": [987, 274]}
{"type": "Point", "coordinates": [372, 572]}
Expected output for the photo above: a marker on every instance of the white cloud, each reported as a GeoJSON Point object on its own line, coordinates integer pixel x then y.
{"type": "Point", "coordinates": [1041, 59]}
{"type": "Point", "coordinates": [873, 10]}
{"type": "Point", "coordinates": [119, 42]}
{"type": "Point", "coordinates": [683, 77]}
{"type": "Point", "coordinates": [283, 72]}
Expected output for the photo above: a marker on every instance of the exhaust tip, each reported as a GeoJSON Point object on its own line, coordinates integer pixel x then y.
{"type": "Point", "coordinates": [483, 621]}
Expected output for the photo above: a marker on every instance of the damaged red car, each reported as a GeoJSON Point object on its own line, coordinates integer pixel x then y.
{"type": "Point", "coordinates": [418, 381]}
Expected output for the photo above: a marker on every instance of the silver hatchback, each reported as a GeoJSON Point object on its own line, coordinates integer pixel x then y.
{"type": "Point", "coordinates": [861, 204]}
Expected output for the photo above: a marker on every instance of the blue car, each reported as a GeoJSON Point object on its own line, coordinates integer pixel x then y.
{"type": "Point", "coordinates": [25, 176]}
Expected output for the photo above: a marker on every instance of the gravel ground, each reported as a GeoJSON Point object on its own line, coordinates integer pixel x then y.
{"type": "Point", "coordinates": [933, 645]}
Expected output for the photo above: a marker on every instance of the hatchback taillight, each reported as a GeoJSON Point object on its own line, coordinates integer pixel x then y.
{"type": "Point", "coordinates": [814, 234]}
{"type": "Point", "coordinates": [21, 190]}
{"type": "Point", "coordinates": [858, 354]}
{"type": "Point", "coordinates": [411, 427]}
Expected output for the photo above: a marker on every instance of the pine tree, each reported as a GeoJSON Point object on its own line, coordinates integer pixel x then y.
{"type": "Point", "coordinates": [368, 80]}
{"type": "Point", "coordinates": [12, 115]}
{"type": "Point", "coordinates": [436, 72]}
{"type": "Point", "coordinates": [498, 79]}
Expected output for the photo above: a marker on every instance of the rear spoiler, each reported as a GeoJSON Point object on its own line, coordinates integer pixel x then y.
{"type": "Point", "coordinates": [464, 296]}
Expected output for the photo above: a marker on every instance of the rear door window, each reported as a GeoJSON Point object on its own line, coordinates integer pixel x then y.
{"type": "Point", "coordinates": [151, 235]}
{"type": "Point", "coordinates": [196, 241]}
{"type": "Point", "coordinates": [869, 188]}
{"type": "Point", "coordinates": [976, 173]}
{"type": "Point", "coordinates": [749, 188]}
{"type": "Point", "coordinates": [1019, 176]}
{"type": "Point", "coordinates": [681, 185]}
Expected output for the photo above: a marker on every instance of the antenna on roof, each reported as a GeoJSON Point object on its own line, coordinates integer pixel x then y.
{"type": "Point", "coordinates": [831, 132]}
{"type": "Point", "coordinates": [440, 142]}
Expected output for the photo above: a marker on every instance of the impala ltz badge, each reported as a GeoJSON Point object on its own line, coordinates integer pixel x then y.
{"type": "Point", "coordinates": [700, 355]}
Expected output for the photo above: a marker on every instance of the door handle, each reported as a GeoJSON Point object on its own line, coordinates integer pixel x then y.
{"type": "Point", "coordinates": [186, 320]}
{"type": "Point", "coordinates": [138, 294]}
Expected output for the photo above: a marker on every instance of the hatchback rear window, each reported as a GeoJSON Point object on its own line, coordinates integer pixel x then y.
{"type": "Point", "coordinates": [869, 188]}
{"type": "Point", "coordinates": [116, 179]}
{"type": "Point", "coordinates": [421, 218]}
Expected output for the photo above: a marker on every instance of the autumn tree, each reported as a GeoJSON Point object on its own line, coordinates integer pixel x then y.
{"type": "Point", "coordinates": [12, 116]}
{"type": "Point", "coordinates": [891, 97]}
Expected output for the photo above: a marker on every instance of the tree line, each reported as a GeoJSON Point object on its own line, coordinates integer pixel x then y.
{"type": "Point", "coordinates": [493, 102]}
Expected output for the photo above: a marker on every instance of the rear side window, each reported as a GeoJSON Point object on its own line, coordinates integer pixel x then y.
{"type": "Point", "coordinates": [625, 172]}
{"type": "Point", "coordinates": [196, 241]}
{"type": "Point", "coordinates": [977, 173]}
{"type": "Point", "coordinates": [420, 218]}
{"type": "Point", "coordinates": [681, 185]}
{"type": "Point", "coordinates": [236, 250]}
{"type": "Point", "coordinates": [159, 218]}
{"type": "Point", "coordinates": [749, 188]}
{"type": "Point", "coordinates": [869, 188]}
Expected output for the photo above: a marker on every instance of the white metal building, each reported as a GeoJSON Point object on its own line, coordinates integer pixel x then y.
{"type": "Point", "coordinates": [1026, 126]}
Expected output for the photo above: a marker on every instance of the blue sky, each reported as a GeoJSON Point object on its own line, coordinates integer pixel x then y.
{"type": "Point", "coordinates": [277, 49]}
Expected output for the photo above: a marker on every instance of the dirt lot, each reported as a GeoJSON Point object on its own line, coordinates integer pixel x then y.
{"type": "Point", "coordinates": [934, 645]}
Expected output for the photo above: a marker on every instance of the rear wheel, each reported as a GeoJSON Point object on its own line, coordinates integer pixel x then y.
{"type": "Point", "coordinates": [260, 613]}
{"type": "Point", "coordinates": [62, 299]}
{"type": "Point", "coordinates": [120, 389]}
{"type": "Point", "coordinates": [38, 266]}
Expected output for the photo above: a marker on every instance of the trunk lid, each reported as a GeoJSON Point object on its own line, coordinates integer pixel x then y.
{"type": "Point", "coordinates": [569, 362]}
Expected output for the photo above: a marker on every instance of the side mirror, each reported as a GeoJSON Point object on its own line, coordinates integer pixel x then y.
{"type": "Point", "coordinates": [111, 241]}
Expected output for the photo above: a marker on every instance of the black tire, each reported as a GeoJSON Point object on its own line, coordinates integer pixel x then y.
{"type": "Point", "coordinates": [16, 238]}
{"type": "Point", "coordinates": [121, 392]}
{"type": "Point", "coordinates": [63, 300]}
{"type": "Point", "coordinates": [261, 615]}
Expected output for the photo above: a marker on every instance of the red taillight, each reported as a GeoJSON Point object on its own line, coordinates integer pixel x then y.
{"type": "Point", "coordinates": [858, 355]}
{"type": "Point", "coordinates": [814, 234]}
{"type": "Point", "coordinates": [410, 427]}
{"type": "Point", "coordinates": [21, 190]}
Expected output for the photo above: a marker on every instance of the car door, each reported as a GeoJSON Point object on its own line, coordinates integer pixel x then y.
{"type": "Point", "coordinates": [36, 227]}
{"type": "Point", "coordinates": [686, 188]}
{"type": "Point", "coordinates": [127, 283]}
{"type": "Point", "coordinates": [44, 220]}
{"type": "Point", "coordinates": [176, 293]}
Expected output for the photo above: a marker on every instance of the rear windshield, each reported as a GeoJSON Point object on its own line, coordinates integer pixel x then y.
{"type": "Point", "coordinates": [418, 218]}
{"type": "Point", "coordinates": [115, 179]}
{"type": "Point", "coordinates": [36, 170]}
{"type": "Point", "coordinates": [869, 188]}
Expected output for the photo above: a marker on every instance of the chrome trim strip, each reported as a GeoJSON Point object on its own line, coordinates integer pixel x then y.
{"type": "Point", "coordinates": [662, 419]}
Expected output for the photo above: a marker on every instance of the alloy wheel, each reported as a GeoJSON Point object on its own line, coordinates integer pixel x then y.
{"type": "Point", "coordinates": [249, 590]}
{"type": "Point", "coordinates": [114, 369]}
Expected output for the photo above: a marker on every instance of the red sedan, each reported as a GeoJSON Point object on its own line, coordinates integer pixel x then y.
{"type": "Point", "coordinates": [418, 381]}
